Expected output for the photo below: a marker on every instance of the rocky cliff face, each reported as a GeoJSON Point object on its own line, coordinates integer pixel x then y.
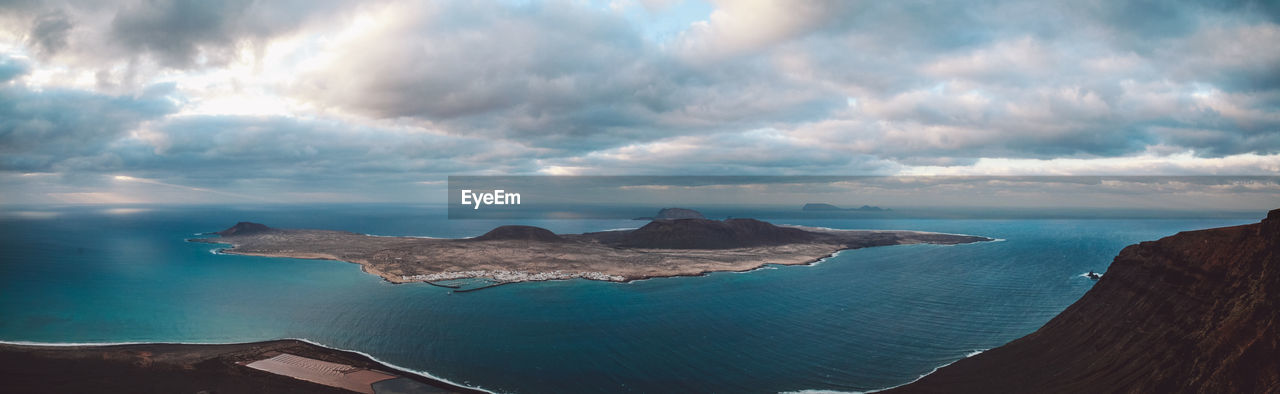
{"type": "Point", "coordinates": [1193, 312]}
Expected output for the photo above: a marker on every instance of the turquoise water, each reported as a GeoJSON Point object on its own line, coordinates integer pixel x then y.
{"type": "Point", "coordinates": [864, 319]}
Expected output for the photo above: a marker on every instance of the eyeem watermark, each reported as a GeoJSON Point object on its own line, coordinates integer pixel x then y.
{"type": "Point", "coordinates": [498, 197]}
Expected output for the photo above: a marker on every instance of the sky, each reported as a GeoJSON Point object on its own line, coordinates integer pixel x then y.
{"type": "Point", "coordinates": [133, 102]}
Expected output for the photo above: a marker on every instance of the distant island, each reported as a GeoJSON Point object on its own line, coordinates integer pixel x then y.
{"type": "Point", "coordinates": [509, 254]}
{"type": "Point", "coordinates": [674, 213]}
{"type": "Point", "coordinates": [828, 207]}
{"type": "Point", "coordinates": [1194, 312]}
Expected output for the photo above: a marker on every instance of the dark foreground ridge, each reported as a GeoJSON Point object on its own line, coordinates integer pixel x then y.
{"type": "Point", "coordinates": [1196, 312]}
{"type": "Point", "coordinates": [181, 368]}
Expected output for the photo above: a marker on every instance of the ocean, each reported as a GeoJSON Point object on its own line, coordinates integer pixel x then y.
{"type": "Point", "coordinates": [861, 320]}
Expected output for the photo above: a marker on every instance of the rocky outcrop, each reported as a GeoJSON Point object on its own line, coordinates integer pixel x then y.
{"type": "Point", "coordinates": [1194, 312]}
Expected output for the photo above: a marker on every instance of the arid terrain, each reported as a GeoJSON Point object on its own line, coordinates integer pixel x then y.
{"type": "Point", "coordinates": [507, 254]}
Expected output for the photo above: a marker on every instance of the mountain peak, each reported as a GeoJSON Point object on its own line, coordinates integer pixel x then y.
{"type": "Point", "coordinates": [712, 234]}
{"type": "Point", "coordinates": [243, 228]}
{"type": "Point", "coordinates": [517, 232]}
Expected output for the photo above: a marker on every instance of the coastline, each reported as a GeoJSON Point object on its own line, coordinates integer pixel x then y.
{"type": "Point", "coordinates": [93, 352]}
{"type": "Point", "coordinates": [541, 276]}
{"type": "Point", "coordinates": [917, 379]}
{"type": "Point", "coordinates": [851, 260]}
{"type": "Point", "coordinates": [93, 346]}
{"type": "Point", "coordinates": [1145, 325]}
{"type": "Point", "coordinates": [588, 256]}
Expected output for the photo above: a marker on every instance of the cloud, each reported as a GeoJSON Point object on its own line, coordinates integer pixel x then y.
{"type": "Point", "coordinates": [737, 27]}
{"type": "Point", "coordinates": [1149, 163]}
{"type": "Point", "coordinates": [238, 147]}
{"type": "Point", "coordinates": [472, 59]}
{"type": "Point", "coordinates": [50, 129]}
{"type": "Point", "coordinates": [759, 152]}
{"type": "Point", "coordinates": [49, 32]}
{"type": "Point", "coordinates": [11, 68]}
{"type": "Point", "coordinates": [273, 158]}
{"type": "Point", "coordinates": [547, 75]}
{"type": "Point", "coordinates": [129, 38]}
{"type": "Point", "coordinates": [319, 96]}
{"type": "Point", "coordinates": [188, 33]}
{"type": "Point", "coordinates": [1234, 58]}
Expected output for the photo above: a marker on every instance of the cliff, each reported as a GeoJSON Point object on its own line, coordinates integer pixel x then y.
{"type": "Point", "coordinates": [1193, 312]}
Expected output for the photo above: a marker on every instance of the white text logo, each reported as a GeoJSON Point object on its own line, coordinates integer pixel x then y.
{"type": "Point", "coordinates": [498, 197]}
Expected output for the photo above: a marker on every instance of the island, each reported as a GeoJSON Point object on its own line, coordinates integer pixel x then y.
{"type": "Point", "coordinates": [674, 213]}
{"type": "Point", "coordinates": [509, 254]}
{"type": "Point", "coordinates": [818, 206]}
{"type": "Point", "coordinates": [1195, 312]}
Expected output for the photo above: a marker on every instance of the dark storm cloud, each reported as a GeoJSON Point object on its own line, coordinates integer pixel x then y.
{"type": "Point", "coordinates": [176, 31]}
{"type": "Point", "coordinates": [184, 33]}
{"type": "Point", "coordinates": [48, 129]}
{"type": "Point", "coordinates": [49, 32]}
{"type": "Point", "coordinates": [176, 34]}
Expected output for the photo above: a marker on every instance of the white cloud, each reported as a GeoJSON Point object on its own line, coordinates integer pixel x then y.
{"type": "Point", "coordinates": [311, 97]}
{"type": "Point", "coordinates": [1184, 163]}
{"type": "Point", "coordinates": [740, 26]}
